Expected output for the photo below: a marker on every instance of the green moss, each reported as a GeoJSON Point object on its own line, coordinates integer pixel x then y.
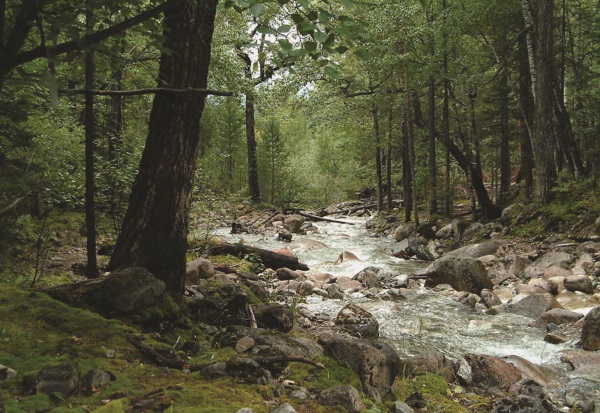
{"type": "Point", "coordinates": [438, 395]}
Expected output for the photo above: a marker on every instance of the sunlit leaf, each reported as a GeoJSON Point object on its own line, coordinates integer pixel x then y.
{"type": "Point", "coordinates": [257, 9]}
{"type": "Point", "coordinates": [332, 72]}
{"type": "Point", "coordinates": [284, 28]}
{"type": "Point", "coordinates": [363, 54]}
{"type": "Point", "coordinates": [285, 44]}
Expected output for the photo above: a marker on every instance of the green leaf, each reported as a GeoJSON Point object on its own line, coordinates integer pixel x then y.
{"type": "Point", "coordinates": [348, 3]}
{"type": "Point", "coordinates": [310, 46]}
{"type": "Point", "coordinates": [332, 72]}
{"type": "Point", "coordinates": [298, 52]}
{"type": "Point", "coordinates": [297, 19]}
{"type": "Point", "coordinates": [324, 17]}
{"type": "Point", "coordinates": [285, 44]}
{"type": "Point", "coordinates": [264, 30]}
{"type": "Point", "coordinates": [363, 54]}
{"type": "Point", "coordinates": [228, 4]}
{"type": "Point", "coordinates": [257, 9]}
{"type": "Point", "coordinates": [341, 49]}
{"type": "Point", "coordinates": [306, 29]}
{"type": "Point", "coordinates": [320, 36]}
{"type": "Point", "coordinates": [284, 28]}
{"type": "Point", "coordinates": [304, 3]}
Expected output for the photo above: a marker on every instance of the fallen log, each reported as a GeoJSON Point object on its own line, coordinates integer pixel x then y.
{"type": "Point", "coordinates": [270, 259]}
{"type": "Point", "coordinates": [317, 218]}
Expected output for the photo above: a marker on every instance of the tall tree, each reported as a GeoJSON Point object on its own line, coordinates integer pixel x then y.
{"type": "Point", "coordinates": [155, 227]}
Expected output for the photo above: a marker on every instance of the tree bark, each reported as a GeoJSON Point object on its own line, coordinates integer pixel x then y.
{"type": "Point", "coordinates": [270, 259]}
{"type": "Point", "coordinates": [504, 138]}
{"type": "Point", "coordinates": [379, 177]}
{"type": "Point", "coordinates": [433, 204]}
{"type": "Point", "coordinates": [526, 120]}
{"type": "Point", "coordinates": [544, 134]}
{"type": "Point", "coordinates": [388, 159]}
{"type": "Point", "coordinates": [155, 227]}
{"type": "Point", "coordinates": [253, 183]}
{"type": "Point", "coordinates": [90, 140]}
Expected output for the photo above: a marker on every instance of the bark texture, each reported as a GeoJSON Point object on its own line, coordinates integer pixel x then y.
{"type": "Point", "coordinates": [155, 228]}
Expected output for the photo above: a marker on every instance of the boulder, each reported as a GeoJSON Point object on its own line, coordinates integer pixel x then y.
{"type": "Point", "coordinates": [581, 283]}
{"type": "Point", "coordinates": [582, 361]}
{"type": "Point", "coordinates": [376, 363]}
{"type": "Point", "coordinates": [274, 316]}
{"type": "Point", "coordinates": [556, 316]}
{"type": "Point", "coordinates": [199, 269]}
{"type": "Point", "coordinates": [223, 304]}
{"type": "Point", "coordinates": [489, 298]}
{"type": "Point", "coordinates": [95, 380]}
{"type": "Point", "coordinates": [62, 379]}
{"type": "Point", "coordinates": [510, 213]}
{"type": "Point", "coordinates": [283, 408]}
{"type": "Point", "coordinates": [525, 396]}
{"type": "Point", "coordinates": [284, 274]}
{"type": "Point", "coordinates": [554, 271]}
{"type": "Point", "coordinates": [590, 331]}
{"type": "Point", "coordinates": [244, 344]}
{"type": "Point", "coordinates": [345, 396]}
{"type": "Point", "coordinates": [444, 232]}
{"type": "Point", "coordinates": [367, 277]}
{"type": "Point", "coordinates": [346, 256]}
{"type": "Point", "coordinates": [274, 343]}
{"type": "Point", "coordinates": [6, 373]}
{"type": "Point", "coordinates": [489, 371]}
{"type": "Point", "coordinates": [293, 223]}
{"type": "Point", "coordinates": [528, 305]}
{"type": "Point", "coordinates": [334, 292]}
{"type": "Point", "coordinates": [477, 250]}
{"type": "Point", "coordinates": [537, 268]}
{"type": "Point", "coordinates": [463, 274]}
{"type": "Point", "coordinates": [357, 322]}
{"type": "Point", "coordinates": [403, 231]}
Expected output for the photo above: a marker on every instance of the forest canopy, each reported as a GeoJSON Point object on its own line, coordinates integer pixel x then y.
{"type": "Point", "coordinates": [305, 103]}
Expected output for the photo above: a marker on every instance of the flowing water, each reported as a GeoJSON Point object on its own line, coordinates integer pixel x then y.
{"type": "Point", "coordinates": [426, 319]}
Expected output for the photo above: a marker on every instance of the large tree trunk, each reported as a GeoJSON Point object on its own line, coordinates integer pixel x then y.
{"type": "Point", "coordinates": [253, 185]}
{"type": "Point", "coordinates": [544, 136]}
{"type": "Point", "coordinates": [433, 205]}
{"type": "Point", "coordinates": [505, 138]}
{"type": "Point", "coordinates": [378, 168]}
{"type": "Point", "coordinates": [90, 138]}
{"type": "Point", "coordinates": [525, 121]}
{"type": "Point", "coordinates": [388, 159]}
{"type": "Point", "coordinates": [155, 228]}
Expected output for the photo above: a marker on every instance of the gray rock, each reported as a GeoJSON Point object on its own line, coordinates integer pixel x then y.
{"type": "Point", "coordinates": [561, 259]}
{"type": "Point", "coordinates": [346, 256]}
{"type": "Point", "coordinates": [590, 331]}
{"type": "Point", "coordinates": [376, 363]}
{"type": "Point", "coordinates": [589, 247]}
{"type": "Point", "coordinates": [283, 408]}
{"type": "Point", "coordinates": [424, 253]}
{"type": "Point", "coordinates": [477, 250]}
{"type": "Point", "coordinates": [403, 231]}
{"type": "Point", "coordinates": [244, 344]}
{"type": "Point", "coordinates": [247, 369]}
{"type": "Point", "coordinates": [401, 407]}
{"type": "Point", "coordinates": [530, 305]}
{"type": "Point", "coordinates": [579, 283]}
{"type": "Point", "coordinates": [489, 298]}
{"type": "Point", "coordinates": [96, 380]}
{"type": "Point", "coordinates": [556, 316]}
{"type": "Point", "coordinates": [274, 316]}
{"type": "Point", "coordinates": [294, 223]}
{"type": "Point", "coordinates": [367, 277]}
{"type": "Point", "coordinates": [6, 373]}
{"type": "Point", "coordinates": [511, 212]}
{"type": "Point", "coordinates": [63, 379]}
{"type": "Point", "coordinates": [346, 396]}
{"type": "Point", "coordinates": [489, 371]}
{"type": "Point", "coordinates": [284, 274]}
{"type": "Point", "coordinates": [245, 410]}
{"type": "Point", "coordinates": [334, 292]}
{"type": "Point", "coordinates": [199, 269]}
{"type": "Point", "coordinates": [357, 322]}
{"type": "Point", "coordinates": [463, 274]}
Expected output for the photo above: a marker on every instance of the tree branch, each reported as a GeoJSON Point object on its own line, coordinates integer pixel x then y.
{"type": "Point", "coordinates": [90, 39]}
{"type": "Point", "coordinates": [146, 91]}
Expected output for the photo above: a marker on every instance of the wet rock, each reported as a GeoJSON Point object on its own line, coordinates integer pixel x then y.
{"type": "Point", "coordinates": [544, 376]}
{"type": "Point", "coordinates": [357, 322]}
{"type": "Point", "coordinates": [414, 242]}
{"type": "Point", "coordinates": [424, 253]}
{"type": "Point", "coordinates": [367, 277]}
{"type": "Point", "coordinates": [489, 371]}
{"type": "Point", "coordinates": [579, 283]}
{"type": "Point", "coordinates": [345, 396]}
{"type": "Point", "coordinates": [6, 373]}
{"type": "Point", "coordinates": [294, 223]}
{"type": "Point", "coordinates": [198, 269]}
{"type": "Point", "coordinates": [560, 259]}
{"type": "Point", "coordinates": [468, 299]}
{"type": "Point", "coordinates": [434, 362]}
{"type": "Point", "coordinates": [463, 274]}
{"type": "Point", "coordinates": [590, 331]}
{"type": "Point", "coordinates": [346, 256]}
{"type": "Point", "coordinates": [334, 291]}
{"type": "Point", "coordinates": [294, 286]}
{"type": "Point", "coordinates": [477, 250]}
{"type": "Point", "coordinates": [63, 379]}
{"type": "Point", "coordinates": [274, 316]}
{"type": "Point", "coordinates": [403, 231]}
{"type": "Point", "coordinates": [582, 361]}
{"type": "Point", "coordinates": [489, 298]}
{"type": "Point", "coordinates": [530, 305]}
{"type": "Point", "coordinates": [554, 339]}
{"type": "Point", "coordinates": [349, 285]}
{"type": "Point", "coordinates": [284, 274]}
{"type": "Point", "coordinates": [96, 380]}
{"type": "Point", "coordinates": [556, 316]}
{"type": "Point", "coordinates": [376, 363]}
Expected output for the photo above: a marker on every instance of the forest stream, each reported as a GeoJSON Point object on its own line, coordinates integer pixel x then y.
{"type": "Point", "coordinates": [427, 319]}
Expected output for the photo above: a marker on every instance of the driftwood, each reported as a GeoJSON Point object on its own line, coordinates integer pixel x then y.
{"type": "Point", "coordinates": [270, 259]}
{"type": "Point", "coordinates": [317, 218]}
